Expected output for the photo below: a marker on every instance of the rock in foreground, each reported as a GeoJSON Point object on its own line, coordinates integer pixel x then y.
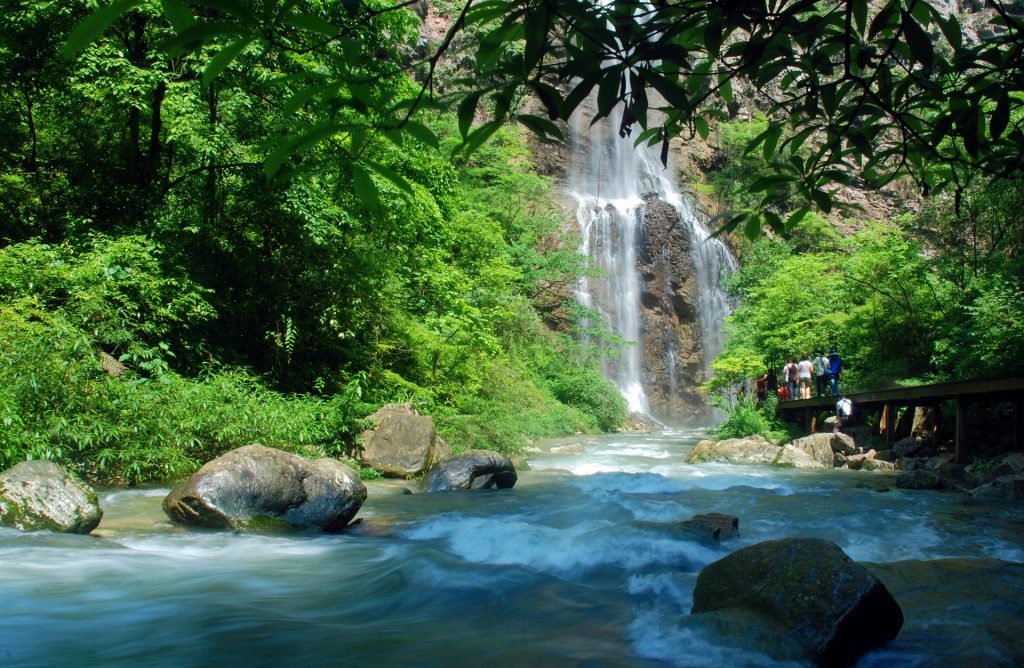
{"type": "Point", "coordinates": [38, 495]}
{"type": "Point", "coordinates": [808, 588]}
{"type": "Point", "coordinates": [475, 469]}
{"type": "Point", "coordinates": [257, 487]}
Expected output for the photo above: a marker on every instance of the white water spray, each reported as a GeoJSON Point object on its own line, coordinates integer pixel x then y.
{"type": "Point", "coordinates": [609, 179]}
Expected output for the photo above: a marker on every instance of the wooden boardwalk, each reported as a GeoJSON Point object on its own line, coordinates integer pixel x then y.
{"type": "Point", "coordinates": [988, 390]}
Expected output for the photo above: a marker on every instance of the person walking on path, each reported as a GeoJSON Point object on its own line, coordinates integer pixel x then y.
{"type": "Point", "coordinates": [805, 371]}
{"type": "Point", "coordinates": [761, 385]}
{"type": "Point", "coordinates": [835, 368]}
{"type": "Point", "coordinates": [820, 362]}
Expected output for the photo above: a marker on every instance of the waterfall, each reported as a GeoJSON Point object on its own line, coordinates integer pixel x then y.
{"type": "Point", "coordinates": [614, 185]}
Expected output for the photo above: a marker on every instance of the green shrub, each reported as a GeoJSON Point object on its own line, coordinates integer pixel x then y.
{"type": "Point", "coordinates": [746, 419]}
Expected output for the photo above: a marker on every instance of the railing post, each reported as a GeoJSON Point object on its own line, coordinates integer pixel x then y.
{"type": "Point", "coordinates": [958, 429]}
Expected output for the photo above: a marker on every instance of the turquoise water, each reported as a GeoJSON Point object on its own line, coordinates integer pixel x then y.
{"type": "Point", "coordinates": [569, 568]}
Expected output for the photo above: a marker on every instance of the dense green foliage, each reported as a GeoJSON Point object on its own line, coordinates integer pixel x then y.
{"type": "Point", "coordinates": [931, 296]}
{"type": "Point", "coordinates": [139, 228]}
{"type": "Point", "coordinates": [870, 90]}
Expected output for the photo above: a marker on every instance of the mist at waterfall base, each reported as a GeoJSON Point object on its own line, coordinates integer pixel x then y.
{"type": "Point", "coordinates": [576, 565]}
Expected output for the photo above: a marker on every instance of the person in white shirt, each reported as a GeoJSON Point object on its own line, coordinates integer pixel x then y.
{"type": "Point", "coordinates": [844, 411]}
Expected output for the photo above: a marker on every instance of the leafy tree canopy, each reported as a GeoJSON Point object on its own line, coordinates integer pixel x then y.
{"type": "Point", "coordinates": [853, 90]}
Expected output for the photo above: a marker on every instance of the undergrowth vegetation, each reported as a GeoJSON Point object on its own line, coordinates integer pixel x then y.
{"type": "Point", "coordinates": [162, 300]}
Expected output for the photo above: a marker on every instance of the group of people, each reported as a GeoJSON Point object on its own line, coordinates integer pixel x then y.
{"type": "Point", "coordinates": [800, 380]}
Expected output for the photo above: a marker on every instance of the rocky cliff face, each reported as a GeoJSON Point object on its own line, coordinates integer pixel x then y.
{"type": "Point", "coordinates": [671, 337]}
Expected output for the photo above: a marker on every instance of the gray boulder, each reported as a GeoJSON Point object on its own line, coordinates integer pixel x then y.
{"type": "Point", "coordinates": [907, 447]}
{"type": "Point", "coordinates": [750, 450]}
{"type": "Point", "coordinates": [982, 472]}
{"type": "Point", "coordinates": [875, 464]}
{"type": "Point", "coordinates": [475, 469]}
{"type": "Point", "coordinates": [790, 455]}
{"type": "Point", "coordinates": [255, 487]}
{"type": "Point", "coordinates": [1005, 487]}
{"type": "Point", "coordinates": [403, 444]}
{"type": "Point", "coordinates": [38, 495]}
{"type": "Point", "coordinates": [843, 444]}
{"type": "Point", "coordinates": [818, 447]}
{"type": "Point", "coordinates": [809, 590]}
{"type": "Point", "coordinates": [919, 479]}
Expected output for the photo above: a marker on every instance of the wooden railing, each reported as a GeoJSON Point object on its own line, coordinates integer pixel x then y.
{"type": "Point", "coordinates": [989, 390]}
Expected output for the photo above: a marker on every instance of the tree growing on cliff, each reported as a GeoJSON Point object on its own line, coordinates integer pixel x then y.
{"type": "Point", "coordinates": [854, 90]}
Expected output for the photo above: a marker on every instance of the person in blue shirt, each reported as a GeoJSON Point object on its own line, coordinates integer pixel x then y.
{"type": "Point", "coordinates": [835, 367]}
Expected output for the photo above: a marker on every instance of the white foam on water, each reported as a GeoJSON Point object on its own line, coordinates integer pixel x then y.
{"type": "Point", "coordinates": [663, 585]}
{"type": "Point", "coordinates": [226, 545]}
{"type": "Point", "coordinates": [652, 636]}
{"type": "Point", "coordinates": [558, 550]}
{"type": "Point", "coordinates": [628, 483]}
{"type": "Point", "coordinates": [120, 495]}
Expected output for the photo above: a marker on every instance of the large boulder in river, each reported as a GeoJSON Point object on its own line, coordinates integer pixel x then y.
{"type": "Point", "coordinates": [404, 443]}
{"type": "Point", "coordinates": [814, 451]}
{"type": "Point", "coordinates": [749, 450]}
{"type": "Point", "coordinates": [256, 487]}
{"type": "Point", "coordinates": [843, 444]}
{"type": "Point", "coordinates": [38, 494]}
{"type": "Point", "coordinates": [808, 589]}
{"type": "Point", "coordinates": [475, 469]}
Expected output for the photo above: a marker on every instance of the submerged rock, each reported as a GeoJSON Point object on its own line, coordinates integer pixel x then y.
{"type": "Point", "coordinates": [256, 487]}
{"type": "Point", "coordinates": [749, 450]}
{"type": "Point", "coordinates": [807, 588]}
{"type": "Point", "coordinates": [39, 495]}
{"type": "Point", "coordinates": [404, 444]}
{"type": "Point", "coordinates": [475, 469]}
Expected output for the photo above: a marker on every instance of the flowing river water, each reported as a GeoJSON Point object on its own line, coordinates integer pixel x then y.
{"type": "Point", "coordinates": [575, 566]}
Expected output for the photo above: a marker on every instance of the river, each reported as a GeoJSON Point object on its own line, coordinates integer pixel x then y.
{"type": "Point", "coordinates": [572, 567]}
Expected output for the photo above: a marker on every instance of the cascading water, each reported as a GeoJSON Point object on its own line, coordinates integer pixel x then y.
{"type": "Point", "coordinates": [614, 184]}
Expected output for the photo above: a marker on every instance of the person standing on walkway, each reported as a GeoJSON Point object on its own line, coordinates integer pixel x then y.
{"type": "Point", "coordinates": [805, 372]}
{"type": "Point", "coordinates": [835, 368]}
{"type": "Point", "coordinates": [791, 372]}
{"type": "Point", "coordinates": [820, 362]}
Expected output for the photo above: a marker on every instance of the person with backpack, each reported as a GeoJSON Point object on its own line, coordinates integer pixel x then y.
{"type": "Point", "coordinates": [820, 362]}
{"type": "Point", "coordinates": [790, 373]}
{"type": "Point", "coordinates": [835, 368]}
{"type": "Point", "coordinates": [844, 411]}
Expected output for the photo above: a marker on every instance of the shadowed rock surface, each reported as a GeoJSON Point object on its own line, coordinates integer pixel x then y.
{"type": "Point", "coordinates": [38, 495]}
{"type": "Point", "coordinates": [810, 589]}
{"type": "Point", "coordinates": [475, 469]}
{"type": "Point", "coordinates": [257, 487]}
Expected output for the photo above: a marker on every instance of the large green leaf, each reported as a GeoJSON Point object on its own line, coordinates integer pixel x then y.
{"type": "Point", "coordinates": [224, 58]}
{"type": "Point", "coordinates": [93, 25]}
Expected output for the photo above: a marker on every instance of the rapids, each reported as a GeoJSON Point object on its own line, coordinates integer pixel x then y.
{"type": "Point", "coordinates": [569, 568]}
